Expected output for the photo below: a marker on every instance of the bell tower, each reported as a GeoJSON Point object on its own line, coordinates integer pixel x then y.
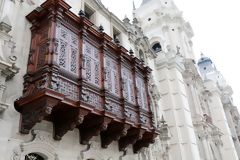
{"type": "Point", "coordinates": [163, 24]}
{"type": "Point", "coordinates": [170, 39]}
{"type": "Point", "coordinates": [209, 71]}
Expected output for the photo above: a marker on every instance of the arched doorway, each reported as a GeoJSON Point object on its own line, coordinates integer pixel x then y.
{"type": "Point", "coordinates": [33, 156]}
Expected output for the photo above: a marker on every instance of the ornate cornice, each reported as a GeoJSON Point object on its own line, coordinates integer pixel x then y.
{"type": "Point", "coordinates": [170, 60]}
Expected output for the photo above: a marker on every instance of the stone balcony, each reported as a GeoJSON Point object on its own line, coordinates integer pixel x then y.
{"type": "Point", "coordinates": [77, 77]}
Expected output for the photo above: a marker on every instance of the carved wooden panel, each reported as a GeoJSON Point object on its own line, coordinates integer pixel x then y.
{"type": "Point", "coordinates": [114, 108]}
{"type": "Point", "coordinates": [44, 34]}
{"type": "Point", "coordinates": [91, 64]}
{"type": "Point", "coordinates": [91, 98]}
{"type": "Point", "coordinates": [131, 114]}
{"type": "Point", "coordinates": [145, 120]}
{"type": "Point", "coordinates": [67, 50]}
{"type": "Point", "coordinates": [111, 76]}
{"type": "Point", "coordinates": [69, 89]}
{"type": "Point", "coordinates": [141, 92]}
{"type": "Point", "coordinates": [128, 85]}
{"type": "Point", "coordinates": [41, 54]}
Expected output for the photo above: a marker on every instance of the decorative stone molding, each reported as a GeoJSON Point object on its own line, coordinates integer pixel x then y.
{"type": "Point", "coordinates": [42, 143]}
{"type": "Point", "coordinates": [160, 149]}
{"type": "Point", "coordinates": [210, 88]}
{"type": "Point", "coordinates": [191, 73]}
{"type": "Point", "coordinates": [5, 27]}
{"type": "Point", "coordinates": [163, 128]}
{"type": "Point", "coordinates": [30, 2]}
{"type": "Point", "coordinates": [154, 90]}
{"type": "Point", "coordinates": [7, 59]}
{"type": "Point", "coordinates": [139, 40]}
{"type": "Point", "coordinates": [170, 59]}
{"type": "Point", "coordinates": [207, 130]}
{"type": "Point", "coordinates": [93, 151]}
{"type": "Point", "coordinates": [216, 136]}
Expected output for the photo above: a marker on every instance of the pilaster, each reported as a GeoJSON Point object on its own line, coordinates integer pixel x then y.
{"type": "Point", "coordinates": [175, 106]}
{"type": "Point", "coordinates": [7, 60]}
{"type": "Point", "coordinates": [219, 119]}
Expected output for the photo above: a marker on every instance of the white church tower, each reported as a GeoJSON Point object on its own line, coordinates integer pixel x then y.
{"type": "Point", "coordinates": [191, 103]}
{"type": "Point", "coordinates": [224, 113]}
{"type": "Point", "coordinates": [170, 38]}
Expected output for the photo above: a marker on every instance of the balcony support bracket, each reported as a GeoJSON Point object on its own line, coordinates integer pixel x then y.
{"type": "Point", "coordinates": [67, 121]}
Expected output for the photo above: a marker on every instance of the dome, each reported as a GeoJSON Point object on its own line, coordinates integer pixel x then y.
{"type": "Point", "coordinates": [204, 59]}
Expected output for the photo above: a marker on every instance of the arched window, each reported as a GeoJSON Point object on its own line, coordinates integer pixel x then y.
{"type": "Point", "coordinates": [33, 156]}
{"type": "Point", "coordinates": [156, 47]}
{"type": "Point", "coordinates": [141, 55]}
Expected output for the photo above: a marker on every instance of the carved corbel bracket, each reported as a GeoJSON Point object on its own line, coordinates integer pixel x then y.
{"type": "Point", "coordinates": [144, 142]}
{"type": "Point", "coordinates": [67, 120]}
{"type": "Point", "coordinates": [132, 137]}
{"type": "Point", "coordinates": [34, 112]}
{"type": "Point", "coordinates": [114, 133]}
{"type": "Point", "coordinates": [93, 127]}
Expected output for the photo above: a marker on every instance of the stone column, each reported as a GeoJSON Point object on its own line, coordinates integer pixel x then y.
{"type": "Point", "coordinates": [191, 80]}
{"type": "Point", "coordinates": [205, 141]}
{"type": "Point", "coordinates": [220, 120]}
{"type": "Point", "coordinates": [227, 108]}
{"type": "Point", "coordinates": [216, 139]}
{"type": "Point", "coordinates": [174, 103]}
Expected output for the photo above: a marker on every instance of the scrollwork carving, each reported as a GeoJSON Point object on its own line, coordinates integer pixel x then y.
{"type": "Point", "coordinates": [41, 84]}
{"type": "Point", "coordinates": [41, 140]}
{"type": "Point", "coordinates": [91, 98]}
{"type": "Point", "coordinates": [85, 95]}
{"type": "Point", "coordinates": [127, 113]}
{"type": "Point", "coordinates": [143, 119]}
{"type": "Point", "coordinates": [108, 106]}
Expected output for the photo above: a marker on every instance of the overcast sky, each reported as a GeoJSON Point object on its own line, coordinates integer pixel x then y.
{"type": "Point", "coordinates": [216, 24]}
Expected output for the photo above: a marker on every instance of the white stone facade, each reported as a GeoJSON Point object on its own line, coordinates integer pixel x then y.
{"type": "Point", "coordinates": [193, 110]}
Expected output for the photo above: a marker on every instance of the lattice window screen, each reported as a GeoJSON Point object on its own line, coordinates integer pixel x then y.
{"type": "Point", "coordinates": [111, 75]}
{"type": "Point", "coordinates": [91, 66]}
{"type": "Point", "coordinates": [141, 92]}
{"type": "Point", "coordinates": [128, 86]}
{"type": "Point", "coordinates": [68, 52]}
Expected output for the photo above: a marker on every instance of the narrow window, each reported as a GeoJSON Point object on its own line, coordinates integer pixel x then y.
{"type": "Point", "coordinates": [89, 13]}
{"type": "Point", "coordinates": [116, 34]}
{"type": "Point", "coordinates": [156, 47]}
{"type": "Point", "coordinates": [141, 55]}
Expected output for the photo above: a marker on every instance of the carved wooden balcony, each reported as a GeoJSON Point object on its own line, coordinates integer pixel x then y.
{"type": "Point", "coordinates": [78, 78]}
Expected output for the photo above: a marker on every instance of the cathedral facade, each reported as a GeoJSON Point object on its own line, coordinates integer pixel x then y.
{"type": "Point", "coordinates": [78, 83]}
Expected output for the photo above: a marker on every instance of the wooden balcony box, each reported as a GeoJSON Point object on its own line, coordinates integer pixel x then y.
{"type": "Point", "coordinates": [78, 78]}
